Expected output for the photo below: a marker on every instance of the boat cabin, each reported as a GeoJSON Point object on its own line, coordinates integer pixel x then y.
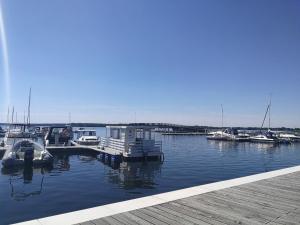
{"type": "Point", "coordinates": [84, 132]}
{"type": "Point", "coordinates": [132, 141]}
{"type": "Point", "coordinates": [59, 136]}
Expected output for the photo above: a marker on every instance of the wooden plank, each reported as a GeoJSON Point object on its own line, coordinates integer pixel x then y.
{"type": "Point", "coordinates": [170, 219]}
{"type": "Point", "coordinates": [225, 213]}
{"type": "Point", "coordinates": [260, 200]}
{"type": "Point", "coordinates": [137, 219]}
{"type": "Point", "coordinates": [271, 193]}
{"type": "Point", "coordinates": [168, 215]}
{"type": "Point", "coordinates": [123, 218]}
{"type": "Point", "coordinates": [276, 189]}
{"type": "Point", "coordinates": [111, 221]}
{"type": "Point", "coordinates": [201, 211]}
{"type": "Point", "coordinates": [266, 209]}
{"type": "Point", "coordinates": [179, 216]}
{"type": "Point", "coordinates": [204, 217]}
{"type": "Point", "coordinates": [242, 210]}
{"type": "Point", "coordinates": [160, 217]}
{"type": "Point", "coordinates": [87, 223]}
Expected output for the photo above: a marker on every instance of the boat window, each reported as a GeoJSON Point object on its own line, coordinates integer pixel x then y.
{"type": "Point", "coordinates": [115, 133]}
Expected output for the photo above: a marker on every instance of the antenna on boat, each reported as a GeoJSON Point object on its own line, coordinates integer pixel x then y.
{"type": "Point", "coordinates": [29, 101]}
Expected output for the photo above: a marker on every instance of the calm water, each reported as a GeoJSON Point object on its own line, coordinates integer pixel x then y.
{"type": "Point", "coordinates": [76, 181]}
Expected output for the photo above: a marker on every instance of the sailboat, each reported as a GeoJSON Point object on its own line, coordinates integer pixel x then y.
{"type": "Point", "coordinates": [221, 135]}
{"type": "Point", "coordinates": [269, 136]}
{"type": "Point", "coordinates": [22, 149]}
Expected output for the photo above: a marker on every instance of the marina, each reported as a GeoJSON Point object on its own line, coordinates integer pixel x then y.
{"type": "Point", "coordinates": [149, 112]}
{"type": "Point", "coordinates": [92, 179]}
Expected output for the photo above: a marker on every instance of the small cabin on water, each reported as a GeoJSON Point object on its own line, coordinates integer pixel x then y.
{"type": "Point", "coordinates": [133, 142]}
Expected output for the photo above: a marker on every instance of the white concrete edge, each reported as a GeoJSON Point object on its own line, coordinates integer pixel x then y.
{"type": "Point", "coordinates": [125, 206]}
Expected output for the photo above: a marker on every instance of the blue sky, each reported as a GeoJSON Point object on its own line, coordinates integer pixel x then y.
{"type": "Point", "coordinates": [161, 60]}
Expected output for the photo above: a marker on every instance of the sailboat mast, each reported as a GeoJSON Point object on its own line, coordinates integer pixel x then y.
{"type": "Point", "coordinates": [12, 114]}
{"type": "Point", "coordinates": [270, 112]}
{"type": "Point", "coordinates": [8, 115]}
{"type": "Point", "coordinates": [28, 113]}
{"type": "Point", "coordinates": [222, 116]}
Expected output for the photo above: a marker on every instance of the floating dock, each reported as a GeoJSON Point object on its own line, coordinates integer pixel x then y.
{"type": "Point", "coordinates": [184, 133]}
{"type": "Point", "coordinates": [269, 198]}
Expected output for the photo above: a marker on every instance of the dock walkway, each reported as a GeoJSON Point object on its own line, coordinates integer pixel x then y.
{"type": "Point", "coordinates": [271, 198]}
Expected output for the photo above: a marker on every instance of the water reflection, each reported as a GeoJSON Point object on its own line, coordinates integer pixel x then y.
{"type": "Point", "coordinates": [133, 175]}
{"type": "Point", "coordinates": [231, 145]}
{"type": "Point", "coordinates": [224, 145]}
{"type": "Point", "coordinates": [22, 184]}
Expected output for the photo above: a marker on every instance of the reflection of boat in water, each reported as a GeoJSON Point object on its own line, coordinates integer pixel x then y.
{"type": "Point", "coordinates": [26, 152]}
{"type": "Point", "coordinates": [132, 175]}
{"type": "Point", "coordinates": [21, 181]}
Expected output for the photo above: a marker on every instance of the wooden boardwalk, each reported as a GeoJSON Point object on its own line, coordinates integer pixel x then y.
{"type": "Point", "coordinates": [272, 201]}
{"type": "Point", "coordinates": [271, 198]}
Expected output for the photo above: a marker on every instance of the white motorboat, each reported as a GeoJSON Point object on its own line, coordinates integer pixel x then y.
{"type": "Point", "coordinates": [221, 136]}
{"type": "Point", "coordinates": [229, 134]}
{"type": "Point", "coordinates": [26, 152]}
{"type": "Point", "coordinates": [268, 137]}
{"type": "Point", "coordinates": [87, 137]}
{"type": "Point", "coordinates": [289, 137]}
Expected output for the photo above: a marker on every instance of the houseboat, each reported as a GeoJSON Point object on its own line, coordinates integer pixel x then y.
{"type": "Point", "coordinates": [133, 142]}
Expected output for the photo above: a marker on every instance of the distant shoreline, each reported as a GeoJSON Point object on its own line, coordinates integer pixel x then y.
{"type": "Point", "coordinates": [158, 125]}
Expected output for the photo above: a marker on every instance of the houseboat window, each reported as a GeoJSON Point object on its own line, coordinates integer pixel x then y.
{"type": "Point", "coordinates": [147, 135]}
{"type": "Point", "coordinates": [139, 134]}
{"type": "Point", "coordinates": [115, 133]}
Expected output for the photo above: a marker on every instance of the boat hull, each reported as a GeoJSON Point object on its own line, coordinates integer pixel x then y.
{"type": "Point", "coordinates": [88, 143]}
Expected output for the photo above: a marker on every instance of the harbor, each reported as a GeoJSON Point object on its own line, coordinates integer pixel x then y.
{"type": "Point", "coordinates": [266, 198]}
{"type": "Point", "coordinates": [94, 180]}
{"type": "Point", "coordinates": [149, 112]}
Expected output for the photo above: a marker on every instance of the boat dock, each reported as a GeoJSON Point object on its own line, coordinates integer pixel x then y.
{"type": "Point", "coordinates": [268, 198]}
{"type": "Point", "coordinates": [184, 133]}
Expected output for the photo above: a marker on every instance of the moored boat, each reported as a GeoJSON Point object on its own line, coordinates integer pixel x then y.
{"type": "Point", "coordinates": [87, 137]}
{"type": "Point", "coordinates": [268, 137]}
{"type": "Point", "coordinates": [26, 152]}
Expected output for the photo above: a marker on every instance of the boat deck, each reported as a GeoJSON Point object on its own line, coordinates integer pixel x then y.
{"type": "Point", "coordinates": [271, 198]}
{"type": "Point", "coordinates": [78, 148]}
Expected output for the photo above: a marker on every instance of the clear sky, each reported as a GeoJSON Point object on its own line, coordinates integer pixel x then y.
{"type": "Point", "coordinates": [153, 60]}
